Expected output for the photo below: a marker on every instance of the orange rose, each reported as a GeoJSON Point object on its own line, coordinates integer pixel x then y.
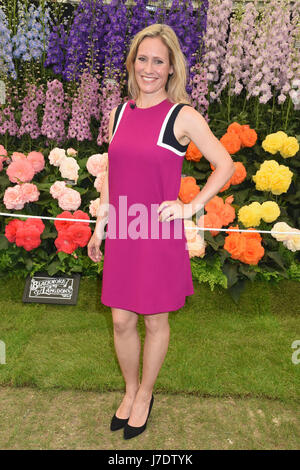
{"type": "Point", "coordinates": [215, 205]}
{"type": "Point", "coordinates": [231, 142]}
{"type": "Point", "coordinates": [248, 136]}
{"type": "Point", "coordinates": [193, 153]}
{"type": "Point", "coordinates": [235, 127]}
{"type": "Point", "coordinates": [235, 244]}
{"type": "Point", "coordinates": [212, 220]}
{"type": "Point", "coordinates": [239, 175]}
{"type": "Point", "coordinates": [188, 189]}
{"type": "Point", "coordinates": [253, 252]}
{"type": "Point", "coordinates": [228, 214]}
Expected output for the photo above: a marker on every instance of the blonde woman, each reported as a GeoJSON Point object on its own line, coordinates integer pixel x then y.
{"type": "Point", "coordinates": [146, 272]}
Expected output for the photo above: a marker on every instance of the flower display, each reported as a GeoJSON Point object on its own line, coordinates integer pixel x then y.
{"type": "Point", "coordinates": [26, 234]}
{"type": "Point", "coordinates": [68, 166]}
{"type": "Point", "coordinates": [68, 198]}
{"type": "Point", "coordinates": [237, 137]}
{"type": "Point", "coordinates": [72, 235]}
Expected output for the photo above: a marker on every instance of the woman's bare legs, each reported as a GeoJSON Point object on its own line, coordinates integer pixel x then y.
{"type": "Point", "coordinates": [127, 346]}
{"type": "Point", "coordinates": [155, 349]}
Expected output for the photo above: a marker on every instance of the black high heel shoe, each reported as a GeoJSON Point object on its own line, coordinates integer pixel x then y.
{"type": "Point", "coordinates": [117, 423]}
{"type": "Point", "coordinates": [132, 431]}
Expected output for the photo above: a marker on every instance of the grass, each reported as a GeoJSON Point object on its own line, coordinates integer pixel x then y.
{"type": "Point", "coordinates": [228, 380]}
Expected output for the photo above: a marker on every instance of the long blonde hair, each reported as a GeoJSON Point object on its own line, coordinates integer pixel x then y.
{"type": "Point", "coordinates": [175, 86]}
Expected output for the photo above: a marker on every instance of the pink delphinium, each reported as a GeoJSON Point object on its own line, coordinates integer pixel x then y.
{"type": "Point", "coordinates": [85, 105]}
{"type": "Point", "coordinates": [270, 61]}
{"type": "Point", "coordinates": [29, 119]}
{"type": "Point", "coordinates": [215, 40]}
{"type": "Point", "coordinates": [56, 112]}
{"type": "Point", "coordinates": [7, 119]}
{"type": "Point", "coordinates": [110, 98]}
{"type": "Point", "coordinates": [200, 90]}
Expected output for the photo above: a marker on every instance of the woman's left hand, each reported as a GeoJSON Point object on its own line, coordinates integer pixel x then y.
{"type": "Point", "coordinates": [170, 210]}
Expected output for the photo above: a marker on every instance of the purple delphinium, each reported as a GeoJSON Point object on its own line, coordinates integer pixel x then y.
{"type": "Point", "coordinates": [29, 119]}
{"type": "Point", "coordinates": [6, 59]}
{"type": "Point", "coordinates": [138, 18]}
{"type": "Point", "coordinates": [57, 49]}
{"type": "Point", "coordinates": [85, 105]}
{"type": "Point", "coordinates": [86, 39]}
{"type": "Point", "coordinates": [56, 112]}
{"type": "Point", "coordinates": [114, 40]}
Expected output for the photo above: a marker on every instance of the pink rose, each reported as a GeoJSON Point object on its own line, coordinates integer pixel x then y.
{"type": "Point", "coordinates": [3, 152]}
{"type": "Point", "coordinates": [57, 189]}
{"type": "Point", "coordinates": [13, 198]}
{"type": "Point", "coordinates": [56, 156]}
{"type": "Point", "coordinates": [94, 206]}
{"type": "Point", "coordinates": [18, 156]}
{"type": "Point", "coordinates": [99, 181]}
{"type": "Point", "coordinates": [70, 200]}
{"type": "Point", "coordinates": [97, 163]}
{"type": "Point", "coordinates": [37, 161]}
{"type": "Point", "coordinates": [20, 170]}
{"type": "Point", "coordinates": [29, 192]}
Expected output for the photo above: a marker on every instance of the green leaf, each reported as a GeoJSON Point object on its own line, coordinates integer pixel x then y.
{"type": "Point", "coordinates": [4, 243]}
{"type": "Point", "coordinates": [236, 290]}
{"type": "Point", "coordinates": [275, 256]}
{"type": "Point", "coordinates": [231, 272]}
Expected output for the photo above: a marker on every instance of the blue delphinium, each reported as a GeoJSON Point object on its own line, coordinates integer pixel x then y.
{"type": "Point", "coordinates": [6, 59]}
{"type": "Point", "coordinates": [31, 39]}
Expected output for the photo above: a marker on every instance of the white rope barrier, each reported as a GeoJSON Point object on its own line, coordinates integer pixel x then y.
{"type": "Point", "coordinates": [187, 228]}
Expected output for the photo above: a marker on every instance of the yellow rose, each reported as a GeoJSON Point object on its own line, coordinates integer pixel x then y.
{"type": "Point", "coordinates": [269, 165]}
{"type": "Point", "coordinates": [281, 180]}
{"type": "Point", "coordinates": [270, 211]}
{"type": "Point", "coordinates": [289, 148]}
{"type": "Point", "coordinates": [262, 180]}
{"type": "Point", "coordinates": [273, 142]}
{"type": "Point", "coordinates": [250, 215]}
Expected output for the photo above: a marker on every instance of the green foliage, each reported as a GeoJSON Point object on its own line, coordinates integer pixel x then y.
{"type": "Point", "coordinates": [205, 270]}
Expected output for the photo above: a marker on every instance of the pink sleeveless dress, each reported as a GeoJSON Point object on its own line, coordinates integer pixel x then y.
{"type": "Point", "coordinates": [146, 266]}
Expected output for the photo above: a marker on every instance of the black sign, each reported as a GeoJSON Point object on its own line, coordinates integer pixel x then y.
{"type": "Point", "coordinates": [44, 289]}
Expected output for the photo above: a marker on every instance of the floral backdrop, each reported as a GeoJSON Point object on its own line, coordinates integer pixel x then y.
{"type": "Point", "coordinates": [62, 70]}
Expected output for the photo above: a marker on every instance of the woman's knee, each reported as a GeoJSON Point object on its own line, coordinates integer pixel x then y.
{"type": "Point", "coordinates": [123, 320]}
{"type": "Point", "coordinates": [156, 323]}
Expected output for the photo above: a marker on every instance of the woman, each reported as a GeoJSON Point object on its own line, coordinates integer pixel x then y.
{"type": "Point", "coordinates": [150, 275]}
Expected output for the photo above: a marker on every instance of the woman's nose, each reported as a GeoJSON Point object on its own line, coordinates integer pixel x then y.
{"type": "Point", "coordinates": [148, 67]}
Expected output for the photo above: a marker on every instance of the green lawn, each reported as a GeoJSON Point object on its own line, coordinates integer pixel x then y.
{"type": "Point", "coordinates": [217, 348]}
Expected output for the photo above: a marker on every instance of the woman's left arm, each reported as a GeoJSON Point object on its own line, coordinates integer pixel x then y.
{"type": "Point", "coordinates": [195, 127]}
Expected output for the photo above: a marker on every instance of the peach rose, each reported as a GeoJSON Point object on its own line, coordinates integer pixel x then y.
{"type": "Point", "coordinates": [20, 170]}
{"type": "Point", "coordinates": [56, 156]}
{"type": "Point", "coordinates": [13, 198]}
{"type": "Point", "coordinates": [71, 152]}
{"type": "Point", "coordinates": [69, 168]}
{"type": "Point", "coordinates": [97, 163]}
{"type": "Point", "coordinates": [94, 207]}
{"type": "Point", "coordinates": [99, 181]}
{"type": "Point", "coordinates": [70, 200]}
{"type": "Point", "coordinates": [57, 189]}
{"type": "Point", "coordinates": [37, 161]}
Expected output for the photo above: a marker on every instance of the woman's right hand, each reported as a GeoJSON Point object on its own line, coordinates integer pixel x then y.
{"type": "Point", "coordinates": [94, 248]}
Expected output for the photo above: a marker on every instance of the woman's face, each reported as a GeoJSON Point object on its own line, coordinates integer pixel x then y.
{"type": "Point", "coordinates": [152, 66]}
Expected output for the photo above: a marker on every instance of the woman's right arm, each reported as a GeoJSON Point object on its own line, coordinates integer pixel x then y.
{"type": "Point", "coordinates": [102, 214]}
